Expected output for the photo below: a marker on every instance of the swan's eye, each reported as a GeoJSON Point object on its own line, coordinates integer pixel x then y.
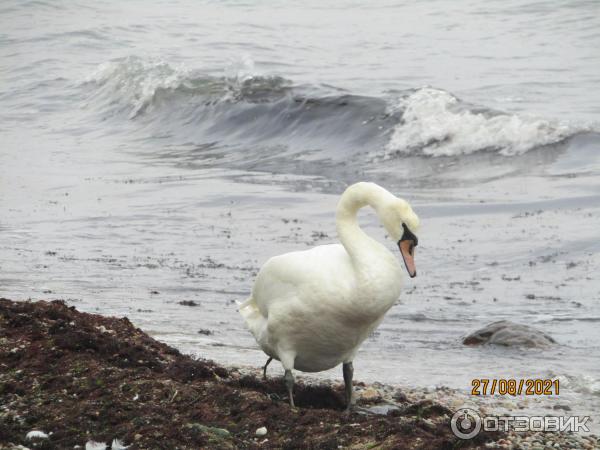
{"type": "Point", "coordinates": [408, 235]}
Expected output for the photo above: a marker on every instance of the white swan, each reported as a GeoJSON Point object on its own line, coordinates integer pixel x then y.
{"type": "Point", "coordinates": [312, 309]}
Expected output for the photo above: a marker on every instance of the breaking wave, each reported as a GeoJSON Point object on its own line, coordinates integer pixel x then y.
{"type": "Point", "coordinates": [141, 85]}
{"type": "Point", "coordinates": [247, 108]}
{"type": "Point", "coordinates": [436, 123]}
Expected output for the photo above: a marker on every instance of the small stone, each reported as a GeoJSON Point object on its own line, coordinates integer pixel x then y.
{"type": "Point", "coordinates": [383, 409]}
{"type": "Point", "coordinates": [400, 396]}
{"type": "Point", "coordinates": [221, 432]}
{"type": "Point", "coordinates": [262, 431]}
{"type": "Point", "coordinates": [370, 394]}
{"type": "Point", "coordinates": [33, 434]}
{"type": "Point", "coordinates": [137, 437]}
{"type": "Point", "coordinates": [429, 424]}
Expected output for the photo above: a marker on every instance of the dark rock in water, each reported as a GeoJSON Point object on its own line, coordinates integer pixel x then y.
{"type": "Point", "coordinates": [188, 303]}
{"type": "Point", "coordinates": [563, 407]}
{"type": "Point", "coordinates": [510, 334]}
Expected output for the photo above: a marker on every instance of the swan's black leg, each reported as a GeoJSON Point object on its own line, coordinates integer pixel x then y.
{"type": "Point", "coordinates": [348, 370]}
{"type": "Point", "coordinates": [289, 383]}
{"type": "Point", "coordinates": [265, 368]}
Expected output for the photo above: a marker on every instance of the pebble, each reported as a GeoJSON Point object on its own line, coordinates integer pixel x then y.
{"type": "Point", "coordinates": [262, 431]}
{"type": "Point", "coordinates": [36, 434]}
{"type": "Point", "coordinates": [370, 394]}
{"type": "Point", "coordinates": [400, 396]}
{"type": "Point", "coordinates": [429, 423]}
{"type": "Point", "coordinates": [221, 432]}
{"type": "Point", "coordinates": [382, 409]}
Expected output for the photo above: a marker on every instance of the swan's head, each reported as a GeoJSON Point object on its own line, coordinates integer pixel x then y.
{"type": "Point", "coordinates": [402, 224]}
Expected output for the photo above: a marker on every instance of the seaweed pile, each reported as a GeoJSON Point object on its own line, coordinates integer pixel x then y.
{"type": "Point", "coordinates": [78, 378]}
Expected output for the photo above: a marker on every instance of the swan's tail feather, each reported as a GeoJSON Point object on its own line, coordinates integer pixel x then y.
{"type": "Point", "coordinates": [244, 303]}
{"type": "Point", "coordinates": [255, 321]}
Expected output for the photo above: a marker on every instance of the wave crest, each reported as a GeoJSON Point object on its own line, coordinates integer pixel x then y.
{"type": "Point", "coordinates": [436, 123]}
{"type": "Point", "coordinates": [244, 107]}
{"type": "Point", "coordinates": [140, 84]}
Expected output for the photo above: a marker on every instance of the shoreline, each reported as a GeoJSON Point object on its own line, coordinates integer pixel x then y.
{"type": "Point", "coordinates": [78, 377]}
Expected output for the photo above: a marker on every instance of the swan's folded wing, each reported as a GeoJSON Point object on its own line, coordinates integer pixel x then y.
{"type": "Point", "coordinates": [309, 276]}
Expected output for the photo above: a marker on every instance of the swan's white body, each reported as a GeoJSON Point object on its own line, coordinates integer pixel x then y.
{"type": "Point", "coordinates": [312, 309]}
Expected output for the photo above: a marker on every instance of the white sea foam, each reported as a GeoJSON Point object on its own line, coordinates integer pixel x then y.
{"type": "Point", "coordinates": [436, 123]}
{"type": "Point", "coordinates": [433, 121]}
{"type": "Point", "coordinates": [584, 384]}
{"type": "Point", "coordinates": [137, 81]}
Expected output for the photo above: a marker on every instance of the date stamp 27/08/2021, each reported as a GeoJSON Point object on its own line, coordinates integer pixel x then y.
{"type": "Point", "coordinates": [511, 386]}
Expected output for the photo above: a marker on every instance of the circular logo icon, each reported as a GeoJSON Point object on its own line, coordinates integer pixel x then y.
{"type": "Point", "coordinates": [465, 423]}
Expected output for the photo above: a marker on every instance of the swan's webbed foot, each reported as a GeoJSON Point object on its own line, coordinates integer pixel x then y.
{"type": "Point", "coordinates": [265, 367]}
{"type": "Point", "coordinates": [289, 383]}
{"type": "Point", "coordinates": [348, 370]}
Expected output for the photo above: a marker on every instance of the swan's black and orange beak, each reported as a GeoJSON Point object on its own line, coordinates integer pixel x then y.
{"type": "Point", "coordinates": [407, 244]}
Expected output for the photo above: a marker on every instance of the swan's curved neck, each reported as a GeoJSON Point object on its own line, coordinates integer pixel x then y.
{"type": "Point", "coordinates": [355, 240]}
